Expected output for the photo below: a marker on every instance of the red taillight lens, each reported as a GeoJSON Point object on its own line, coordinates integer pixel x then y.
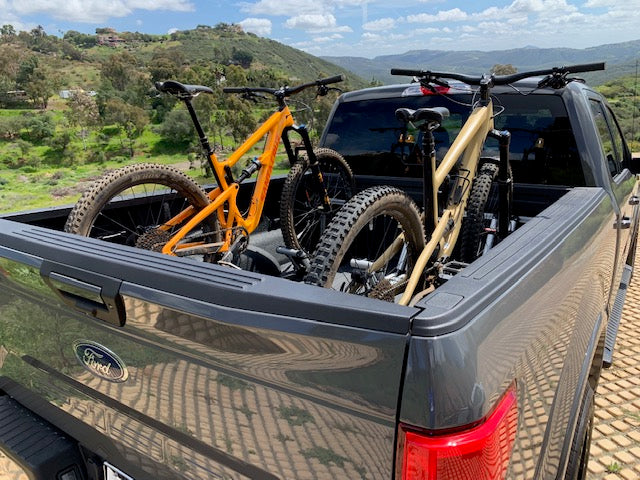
{"type": "Point", "coordinates": [437, 90]}
{"type": "Point", "coordinates": [480, 453]}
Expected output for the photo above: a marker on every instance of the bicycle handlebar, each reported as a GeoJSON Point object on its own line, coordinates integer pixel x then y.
{"type": "Point", "coordinates": [500, 79]}
{"type": "Point", "coordinates": [285, 91]}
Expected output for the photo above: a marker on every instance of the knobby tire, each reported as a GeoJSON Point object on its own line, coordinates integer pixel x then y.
{"type": "Point", "coordinates": [97, 215]}
{"type": "Point", "coordinates": [302, 216]}
{"type": "Point", "coordinates": [362, 229]}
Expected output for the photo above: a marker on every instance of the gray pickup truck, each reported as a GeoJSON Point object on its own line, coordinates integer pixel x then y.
{"type": "Point", "coordinates": [119, 363]}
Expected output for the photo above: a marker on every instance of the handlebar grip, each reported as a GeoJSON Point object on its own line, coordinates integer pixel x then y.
{"type": "Point", "coordinates": [334, 79]}
{"type": "Point", "coordinates": [585, 67]}
{"type": "Point", "coordinates": [408, 73]}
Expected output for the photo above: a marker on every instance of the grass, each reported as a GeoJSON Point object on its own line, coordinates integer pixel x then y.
{"type": "Point", "coordinates": [614, 467]}
{"type": "Point", "coordinates": [49, 179]}
{"type": "Point", "coordinates": [295, 416]}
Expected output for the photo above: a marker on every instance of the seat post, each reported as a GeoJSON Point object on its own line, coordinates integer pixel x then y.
{"type": "Point", "coordinates": [204, 141]}
{"type": "Point", "coordinates": [428, 166]}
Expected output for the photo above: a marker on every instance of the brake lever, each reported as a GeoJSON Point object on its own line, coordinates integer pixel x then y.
{"type": "Point", "coordinates": [323, 90]}
{"type": "Point", "coordinates": [554, 80]}
{"type": "Point", "coordinates": [545, 81]}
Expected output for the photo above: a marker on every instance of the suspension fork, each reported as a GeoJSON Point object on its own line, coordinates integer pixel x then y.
{"type": "Point", "coordinates": [314, 164]}
{"type": "Point", "coordinates": [504, 182]}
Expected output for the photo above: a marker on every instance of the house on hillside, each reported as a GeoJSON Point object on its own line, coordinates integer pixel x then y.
{"type": "Point", "coordinates": [67, 94]}
{"type": "Point", "coordinates": [109, 37]}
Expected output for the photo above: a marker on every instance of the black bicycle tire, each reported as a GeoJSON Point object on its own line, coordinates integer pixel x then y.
{"type": "Point", "coordinates": [473, 227]}
{"type": "Point", "coordinates": [98, 196]}
{"type": "Point", "coordinates": [358, 212]}
{"type": "Point", "coordinates": [292, 209]}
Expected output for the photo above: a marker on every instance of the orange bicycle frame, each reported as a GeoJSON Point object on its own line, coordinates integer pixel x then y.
{"type": "Point", "coordinates": [223, 198]}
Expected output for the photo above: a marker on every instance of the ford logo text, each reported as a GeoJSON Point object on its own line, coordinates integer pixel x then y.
{"type": "Point", "coordinates": [100, 361]}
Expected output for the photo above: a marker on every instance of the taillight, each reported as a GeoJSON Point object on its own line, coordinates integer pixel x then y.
{"type": "Point", "coordinates": [434, 90]}
{"type": "Point", "coordinates": [478, 453]}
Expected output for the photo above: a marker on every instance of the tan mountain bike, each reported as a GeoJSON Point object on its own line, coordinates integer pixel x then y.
{"type": "Point", "coordinates": [376, 245]}
{"type": "Point", "coordinates": [168, 212]}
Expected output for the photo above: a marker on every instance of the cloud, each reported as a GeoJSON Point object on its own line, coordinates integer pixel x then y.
{"type": "Point", "coordinates": [453, 15]}
{"type": "Point", "coordinates": [601, 3]}
{"type": "Point", "coordinates": [285, 7]}
{"type": "Point", "coordinates": [380, 24]}
{"type": "Point", "coordinates": [95, 11]}
{"type": "Point", "coordinates": [330, 38]}
{"type": "Point", "coordinates": [316, 23]}
{"type": "Point", "coordinates": [526, 6]}
{"type": "Point", "coordinates": [259, 26]}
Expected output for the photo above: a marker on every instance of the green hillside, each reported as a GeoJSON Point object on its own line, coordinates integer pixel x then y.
{"type": "Point", "coordinates": [76, 106]}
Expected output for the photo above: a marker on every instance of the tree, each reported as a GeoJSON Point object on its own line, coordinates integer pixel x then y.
{"type": "Point", "coordinates": [177, 127]}
{"type": "Point", "coordinates": [118, 69]}
{"type": "Point", "coordinates": [243, 57]}
{"type": "Point", "coordinates": [239, 119]}
{"type": "Point", "coordinates": [25, 70]}
{"type": "Point", "coordinates": [71, 52]}
{"type": "Point", "coordinates": [61, 143]}
{"type": "Point", "coordinates": [41, 85]}
{"type": "Point", "coordinates": [10, 126]}
{"type": "Point", "coordinates": [81, 40]}
{"type": "Point", "coordinates": [162, 68]}
{"type": "Point", "coordinates": [82, 112]}
{"type": "Point", "coordinates": [7, 32]}
{"type": "Point", "coordinates": [39, 126]}
{"type": "Point", "coordinates": [130, 118]}
{"type": "Point", "coordinates": [235, 76]}
{"type": "Point", "coordinates": [499, 69]}
{"type": "Point", "coordinates": [122, 77]}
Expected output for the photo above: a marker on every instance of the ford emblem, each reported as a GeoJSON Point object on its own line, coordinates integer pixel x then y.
{"type": "Point", "coordinates": [100, 361]}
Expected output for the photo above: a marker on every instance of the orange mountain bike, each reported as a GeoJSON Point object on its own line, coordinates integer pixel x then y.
{"type": "Point", "coordinates": [183, 220]}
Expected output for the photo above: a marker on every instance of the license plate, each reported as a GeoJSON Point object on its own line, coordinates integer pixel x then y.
{"type": "Point", "coordinates": [112, 473]}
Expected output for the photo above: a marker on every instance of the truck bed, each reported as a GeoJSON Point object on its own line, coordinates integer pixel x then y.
{"type": "Point", "coordinates": [236, 374]}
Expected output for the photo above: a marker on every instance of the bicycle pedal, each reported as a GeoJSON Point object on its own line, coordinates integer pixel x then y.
{"type": "Point", "coordinates": [239, 245]}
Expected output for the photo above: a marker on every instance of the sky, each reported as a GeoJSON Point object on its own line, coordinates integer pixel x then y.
{"type": "Point", "coordinates": [364, 28]}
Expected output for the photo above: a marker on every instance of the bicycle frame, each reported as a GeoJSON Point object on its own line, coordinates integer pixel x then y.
{"type": "Point", "coordinates": [446, 227]}
{"type": "Point", "coordinates": [223, 198]}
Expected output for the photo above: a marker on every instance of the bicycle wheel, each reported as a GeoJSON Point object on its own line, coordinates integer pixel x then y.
{"type": "Point", "coordinates": [358, 236]}
{"type": "Point", "coordinates": [480, 221]}
{"type": "Point", "coordinates": [302, 214]}
{"type": "Point", "coordinates": [125, 206]}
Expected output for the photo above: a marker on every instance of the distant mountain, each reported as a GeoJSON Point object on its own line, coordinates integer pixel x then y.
{"type": "Point", "coordinates": [619, 57]}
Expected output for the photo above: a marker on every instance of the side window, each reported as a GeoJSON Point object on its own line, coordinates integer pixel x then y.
{"type": "Point", "coordinates": [606, 139]}
{"type": "Point", "coordinates": [618, 139]}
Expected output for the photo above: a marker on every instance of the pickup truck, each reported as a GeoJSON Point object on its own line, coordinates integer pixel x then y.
{"type": "Point", "coordinates": [120, 363]}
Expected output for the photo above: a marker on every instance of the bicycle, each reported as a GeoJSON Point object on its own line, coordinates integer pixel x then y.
{"type": "Point", "coordinates": [185, 221]}
{"type": "Point", "coordinates": [376, 245]}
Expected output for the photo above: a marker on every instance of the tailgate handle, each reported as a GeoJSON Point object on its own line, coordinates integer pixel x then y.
{"type": "Point", "coordinates": [92, 294]}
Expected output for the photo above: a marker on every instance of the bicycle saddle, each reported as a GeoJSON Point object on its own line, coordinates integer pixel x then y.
{"type": "Point", "coordinates": [177, 88]}
{"type": "Point", "coordinates": [430, 115]}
